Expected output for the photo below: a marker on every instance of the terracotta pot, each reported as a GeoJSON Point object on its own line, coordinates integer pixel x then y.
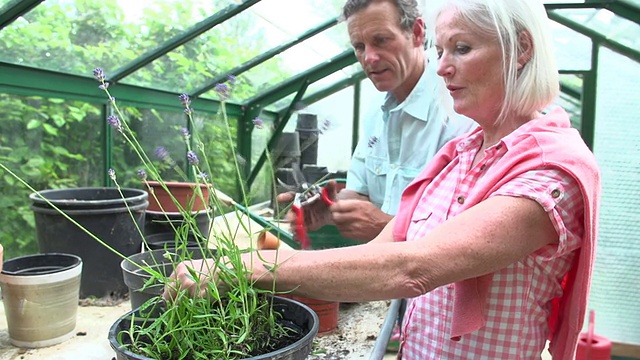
{"type": "Point", "coordinates": [185, 195]}
{"type": "Point", "coordinates": [327, 311]}
{"type": "Point", "coordinates": [267, 241]}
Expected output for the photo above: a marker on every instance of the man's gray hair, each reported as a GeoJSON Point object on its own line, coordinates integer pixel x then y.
{"type": "Point", "coordinates": [408, 10]}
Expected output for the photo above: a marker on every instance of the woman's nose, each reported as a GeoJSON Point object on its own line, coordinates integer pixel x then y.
{"type": "Point", "coordinates": [445, 68]}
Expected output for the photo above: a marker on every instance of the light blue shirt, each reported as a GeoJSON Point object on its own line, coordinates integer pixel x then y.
{"type": "Point", "coordinates": [399, 140]}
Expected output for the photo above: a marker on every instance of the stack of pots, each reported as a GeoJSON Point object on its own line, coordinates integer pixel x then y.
{"type": "Point", "coordinates": [164, 217]}
{"type": "Point", "coordinates": [106, 224]}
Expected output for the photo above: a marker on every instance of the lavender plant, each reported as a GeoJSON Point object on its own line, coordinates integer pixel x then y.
{"type": "Point", "coordinates": [233, 324]}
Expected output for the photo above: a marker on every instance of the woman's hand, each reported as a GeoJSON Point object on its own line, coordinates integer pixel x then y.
{"type": "Point", "coordinates": [191, 275]}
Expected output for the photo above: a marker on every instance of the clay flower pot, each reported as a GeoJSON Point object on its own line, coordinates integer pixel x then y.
{"type": "Point", "coordinates": [267, 241]}
{"type": "Point", "coordinates": [184, 193]}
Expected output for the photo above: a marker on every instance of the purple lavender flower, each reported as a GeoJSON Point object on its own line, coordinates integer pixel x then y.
{"type": "Point", "coordinates": [112, 174]}
{"type": "Point", "coordinates": [162, 153]}
{"type": "Point", "coordinates": [142, 174]}
{"type": "Point", "coordinates": [115, 122]}
{"type": "Point", "coordinates": [203, 175]}
{"type": "Point", "coordinates": [185, 100]}
{"type": "Point", "coordinates": [104, 86]}
{"type": "Point", "coordinates": [223, 91]}
{"type": "Point", "coordinates": [185, 133]}
{"type": "Point", "coordinates": [98, 73]}
{"type": "Point", "coordinates": [192, 158]}
{"type": "Point", "coordinates": [258, 123]}
{"type": "Point", "coordinates": [231, 79]}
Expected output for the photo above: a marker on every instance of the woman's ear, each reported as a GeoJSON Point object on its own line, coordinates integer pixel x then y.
{"type": "Point", "coordinates": [525, 48]}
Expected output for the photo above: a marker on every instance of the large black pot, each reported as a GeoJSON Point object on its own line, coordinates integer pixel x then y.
{"type": "Point", "coordinates": [295, 315]}
{"type": "Point", "coordinates": [167, 241]}
{"type": "Point", "coordinates": [162, 222]}
{"type": "Point", "coordinates": [105, 213]}
{"type": "Point", "coordinates": [159, 260]}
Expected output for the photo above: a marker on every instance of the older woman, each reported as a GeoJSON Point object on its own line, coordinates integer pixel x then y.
{"type": "Point", "coordinates": [496, 236]}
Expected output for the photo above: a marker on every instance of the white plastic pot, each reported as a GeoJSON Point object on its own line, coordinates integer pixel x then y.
{"type": "Point", "coordinates": [40, 295]}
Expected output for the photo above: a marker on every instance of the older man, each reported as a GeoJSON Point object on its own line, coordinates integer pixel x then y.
{"type": "Point", "coordinates": [406, 130]}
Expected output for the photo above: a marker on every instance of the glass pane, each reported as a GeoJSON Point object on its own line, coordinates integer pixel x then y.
{"type": "Point", "coordinates": [75, 36]}
{"type": "Point", "coordinates": [570, 98]}
{"type": "Point", "coordinates": [614, 290]}
{"type": "Point", "coordinates": [231, 43]}
{"type": "Point", "coordinates": [4, 3]}
{"type": "Point", "coordinates": [163, 129]}
{"type": "Point", "coordinates": [153, 129]}
{"type": "Point", "coordinates": [608, 24]}
{"type": "Point", "coordinates": [50, 143]}
{"type": "Point", "coordinates": [572, 49]}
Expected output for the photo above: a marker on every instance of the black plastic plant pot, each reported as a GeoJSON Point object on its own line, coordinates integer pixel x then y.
{"type": "Point", "coordinates": [295, 316]}
{"type": "Point", "coordinates": [114, 216]}
{"type": "Point", "coordinates": [160, 260]}
{"type": "Point", "coordinates": [157, 222]}
{"type": "Point", "coordinates": [167, 241]}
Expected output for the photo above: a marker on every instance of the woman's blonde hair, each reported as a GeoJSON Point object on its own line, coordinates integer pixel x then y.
{"type": "Point", "coordinates": [536, 85]}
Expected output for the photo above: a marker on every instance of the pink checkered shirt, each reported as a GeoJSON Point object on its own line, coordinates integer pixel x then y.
{"type": "Point", "coordinates": [518, 302]}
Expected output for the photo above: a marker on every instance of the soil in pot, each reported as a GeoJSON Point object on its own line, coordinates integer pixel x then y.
{"type": "Point", "coordinates": [300, 320]}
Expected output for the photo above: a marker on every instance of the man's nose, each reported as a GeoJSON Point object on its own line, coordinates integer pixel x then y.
{"type": "Point", "coordinates": [371, 56]}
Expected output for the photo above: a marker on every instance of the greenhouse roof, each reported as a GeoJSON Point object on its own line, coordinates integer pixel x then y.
{"type": "Point", "coordinates": [282, 52]}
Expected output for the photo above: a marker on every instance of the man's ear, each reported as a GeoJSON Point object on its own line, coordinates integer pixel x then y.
{"type": "Point", "coordinates": [418, 32]}
{"type": "Point", "coordinates": [525, 48]}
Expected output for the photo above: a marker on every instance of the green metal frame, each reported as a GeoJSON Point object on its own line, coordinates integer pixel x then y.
{"type": "Point", "coordinates": [13, 10]}
{"type": "Point", "coordinates": [171, 44]}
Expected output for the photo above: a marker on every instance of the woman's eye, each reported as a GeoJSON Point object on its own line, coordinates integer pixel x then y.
{"type": "Point", "coordinates": [463, 49]}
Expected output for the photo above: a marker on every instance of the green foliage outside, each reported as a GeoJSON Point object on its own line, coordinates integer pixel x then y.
{"type": "Point", "coordinates": [54, 143]}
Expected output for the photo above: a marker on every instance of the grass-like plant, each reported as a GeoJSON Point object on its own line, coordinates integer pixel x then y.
{"type": "Point", "coordinates": [236, 323]}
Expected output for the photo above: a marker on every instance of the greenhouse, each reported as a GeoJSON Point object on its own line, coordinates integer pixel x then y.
{"type": "Point", "coordinates": [259, 97]}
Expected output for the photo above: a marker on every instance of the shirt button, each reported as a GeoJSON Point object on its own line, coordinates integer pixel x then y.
{"type": "Point", "coordinates": [555, 193]}
{"type": "Point", "coordinates": [377, 170]}
{"type": "Point", "coordinates": [499, 147]}
{"type": "Point", "coordinates": [460, 199]}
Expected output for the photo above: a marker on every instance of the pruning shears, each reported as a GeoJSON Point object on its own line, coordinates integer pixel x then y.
{"type": "Point", "coordinates": [299, 228]}
{"type": "Point", "coordinates": [309, 195]}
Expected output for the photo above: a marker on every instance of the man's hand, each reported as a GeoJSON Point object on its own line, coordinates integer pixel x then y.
{"type": "Point", "coordinates": [358, 219]}
{"type": "Point", "coordinates": [316, 211]}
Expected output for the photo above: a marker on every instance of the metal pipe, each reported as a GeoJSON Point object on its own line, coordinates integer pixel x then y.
{"type": "Point", "coordinates": [380, 347]}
